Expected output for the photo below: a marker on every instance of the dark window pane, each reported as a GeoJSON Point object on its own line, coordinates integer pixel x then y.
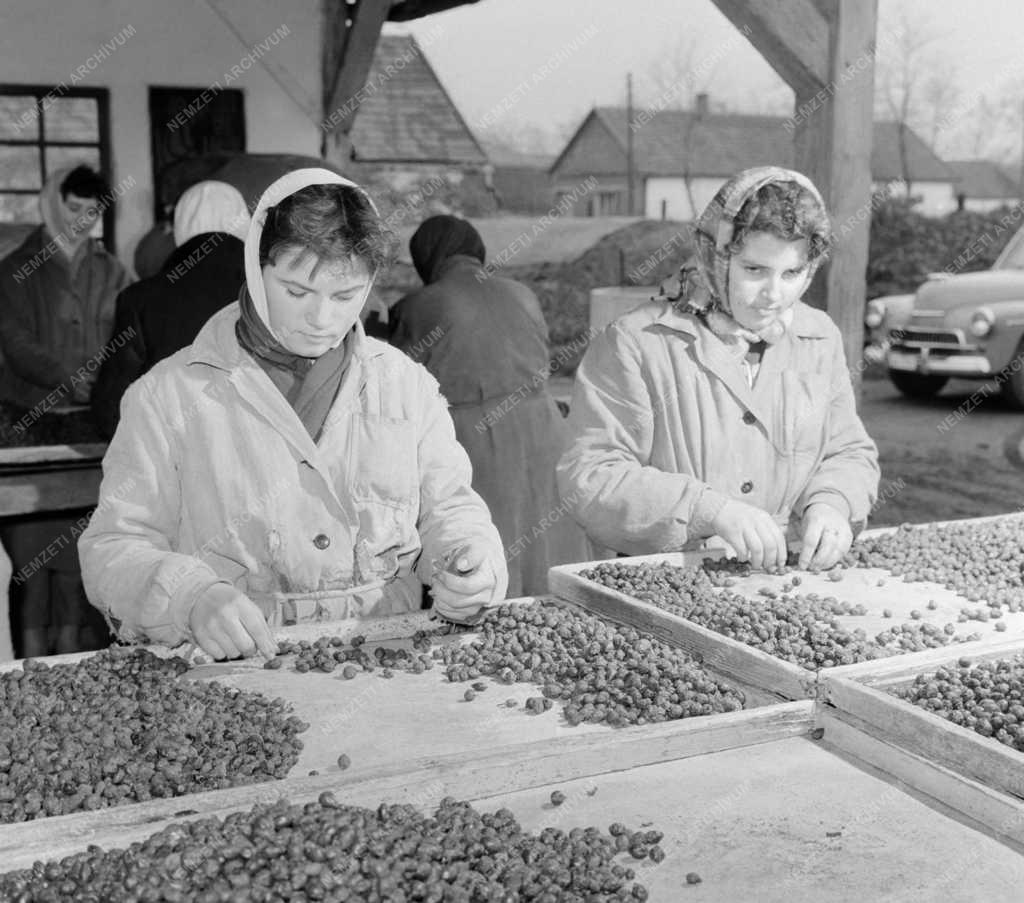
{"type": "Point", "coordinates": [19, 208]}
{"type": "Point", "coordinates": [69, 157]}
{"type": "Point", "coordinates": [71, 118]}
{"type": "Point", "coordinates": [19, 167]}
{"type": "Point", "coordinates": [19, 117]}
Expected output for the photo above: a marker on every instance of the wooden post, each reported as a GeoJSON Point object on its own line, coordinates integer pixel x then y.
{"type": "Point", "coordinates": [349, 35]}
{"type": "Point", "coordinates": [824, 49]}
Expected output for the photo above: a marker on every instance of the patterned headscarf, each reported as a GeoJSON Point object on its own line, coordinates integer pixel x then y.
{"type": "Point", "coordinates": [704, 278]}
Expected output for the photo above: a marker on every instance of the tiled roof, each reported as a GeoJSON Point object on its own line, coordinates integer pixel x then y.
{"type": "Point", "coordinates": [983, 179]}
{"type": "Point", "coordinates": [406, 115]}
{"type": "Point", "coordinates": [721, 144]}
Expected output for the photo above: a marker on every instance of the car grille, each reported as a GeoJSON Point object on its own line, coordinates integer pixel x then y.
{"type": "Point", "coordinates": [924, 337]}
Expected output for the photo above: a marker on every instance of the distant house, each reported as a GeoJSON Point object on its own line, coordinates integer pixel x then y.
{"type": "Point", "coordinates": [521, 180]}
{"type": "Point", "coordinates": [983, 185]}
{"type": "Point", "coordinates": [408, 135]}
{"type": "Point", "coordinates": [683, 157]}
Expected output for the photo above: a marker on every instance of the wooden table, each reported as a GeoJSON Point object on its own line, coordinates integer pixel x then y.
{"type": "Point", "coordinates": [40, 480]}
{"type": "Point", "coordinates": [757, 802]}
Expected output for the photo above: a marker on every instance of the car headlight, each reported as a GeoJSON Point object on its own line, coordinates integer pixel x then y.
{"type": "Point", "coordinates": [875, 314]}
{"type": "Point", "coordinates": [982, 321]}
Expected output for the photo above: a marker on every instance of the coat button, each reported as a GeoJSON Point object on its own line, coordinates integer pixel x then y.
{"type": "Point", "coordinates": [746, 487]}
{"type": "Point", "coordinates": [748, 418]}
{"type": "Point", "coordinates": [321, 540]}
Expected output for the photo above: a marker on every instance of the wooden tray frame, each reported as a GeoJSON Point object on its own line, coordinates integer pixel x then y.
{"type": "Point", "coordinates": [865, 704]}
{"type": "Point", "coordinates": [736, 660]}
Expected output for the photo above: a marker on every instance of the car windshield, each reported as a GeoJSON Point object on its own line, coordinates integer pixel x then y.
{"type": "Point", "coordinates": [1012, 256]}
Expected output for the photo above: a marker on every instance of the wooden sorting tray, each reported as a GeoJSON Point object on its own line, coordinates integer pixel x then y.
{"type": "Point", "coordinates": [381, 722]}
{"type": "Point", "coordinates": [738, 660]}
{"type": "Point", "coordinates": [781, 820]}
{"type": "Point", "coordinates": [866, 705]}
{"type": "Point", "coordinates": [47, 478]}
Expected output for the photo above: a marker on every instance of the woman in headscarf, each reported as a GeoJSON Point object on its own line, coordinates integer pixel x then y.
{"type": "Point", "coordinates": [57, 293]}
{"type": "Point", "coordinates": [161, 315]}
{"type": "Point", "coordinates": [485, 340]}
{"type": "Point", "coordinates": [728, 409]}
{"type": "Point", "coordinates": [284, 467]}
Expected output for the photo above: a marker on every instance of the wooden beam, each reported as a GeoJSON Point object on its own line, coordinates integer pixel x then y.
{"type": "Point", "coordinates": [792, 35]}
{"type": "Point", "coordinates": [406, 10]}
{"type": "Point", "coordinates": [832, 130]}
{"type": "Point", "coordinates": [349, 38]}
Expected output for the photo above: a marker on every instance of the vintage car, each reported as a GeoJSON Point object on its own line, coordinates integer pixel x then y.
{"type": "Point", "coordinates": [968, 326]}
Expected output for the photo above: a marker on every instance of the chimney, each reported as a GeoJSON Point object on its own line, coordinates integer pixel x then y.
{"type": "Point", "coordinates": [702, 104]}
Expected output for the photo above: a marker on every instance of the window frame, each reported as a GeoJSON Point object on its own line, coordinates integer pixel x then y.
{"type": "Point", "coordinates": [41, 92]}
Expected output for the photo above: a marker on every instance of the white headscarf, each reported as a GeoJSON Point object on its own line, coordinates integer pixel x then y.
{"type": "Point", "coordinates": [287, 185]}
{"type": "Point", "coordinates": [210, 207]}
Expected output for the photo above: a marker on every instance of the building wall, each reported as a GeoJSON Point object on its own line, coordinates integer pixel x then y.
{"type": "Point", "coordinates": [523, 189]}
{"type": "Point", "coordinates": [984, 205]}
{"type": "Point", "coordinates": [173, 45]}
{"type": "Point", "coordinates": [936, 198]}
{"type": "Point", "coordinates": [677, 201]}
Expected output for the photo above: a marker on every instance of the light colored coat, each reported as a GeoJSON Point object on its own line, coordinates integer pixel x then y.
{"type": "Point", "coordinates": [212, 477]}
{"type": "Point", "coordinates": [665, 429]}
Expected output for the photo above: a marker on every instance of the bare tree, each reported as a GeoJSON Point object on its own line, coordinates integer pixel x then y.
{"type": "Point", "coordinates": [915, 82]}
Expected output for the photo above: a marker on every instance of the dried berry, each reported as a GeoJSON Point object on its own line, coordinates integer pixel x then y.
{"type": "Point", "coordinates": [469, 695]}
{"type": "Point", "coordinates": [479, 686]}
{"type": "Point", "coordinates": [557, 798]}
{"type": "Point", "coordinates": [344, 761]}
{"type": "Point", "coordinates": [121, 727]}
{"type": "Point", "coordinates": [693, 878]}
{"type": "Point", "coordinates": [273, 664]}
{"type": "Point", "coordinates": [328, 850]}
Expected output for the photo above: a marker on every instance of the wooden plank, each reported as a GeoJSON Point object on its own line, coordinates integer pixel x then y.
{"type": "Point", "coordinates": [423, 781]}
{"type": "Point", "coordinates": [48, 454]}
{"type": "Point", "coordinates": [734, 660]}
{"type": "Point", "coordinates": [791, 35]}
{"type": "Point", "coordinates": [902, 667]}
{"type": "Point", "coordinates": [995, 814]}
{"type": "Point", "coordinates": [55, 490]}
{"type": "Point", "coordinates": [929, 735]}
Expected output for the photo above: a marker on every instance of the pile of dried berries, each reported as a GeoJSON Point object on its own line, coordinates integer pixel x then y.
{"type": "Point", "coordinates": [328, 851]}
{"type": "Point", "coordinates": [802, 629]}
{"type": "Point", "coordinates": [987, 697]}
{"type": "Point", "coordinates": [979, 561]}
{"type": "Point", "coordinates": [601, 672]}
{"type": "Point", "coordinates": [328, 653]}
{"type": "Point", "coordinates": [120, 727]}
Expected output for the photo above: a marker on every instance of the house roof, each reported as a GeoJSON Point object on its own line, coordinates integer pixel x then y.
{"type": "Point", "coordinates": [501, 155]}
{"type": "Point", "coordinates": [721, 144]}
{"type": "Point", "coordinates": [983, 179]}
{"type": "Point", "coordinates": [406, 115]}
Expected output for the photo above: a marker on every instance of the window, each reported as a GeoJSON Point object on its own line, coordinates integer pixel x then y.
{"type": "Point", "coordinates": [44, 129]}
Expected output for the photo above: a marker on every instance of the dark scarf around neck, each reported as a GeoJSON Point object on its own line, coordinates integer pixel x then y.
{"type": "Point", "coordinates": [309, 385]}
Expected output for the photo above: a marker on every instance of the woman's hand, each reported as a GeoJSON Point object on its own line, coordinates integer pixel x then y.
{"type": "Point", "coordinates": [467, 583]}
{"type": "Point", "coordinates": [227, 624]}
{"type": "Point", "coordinates": [827, 537]}
{"type": "Point", "coordinates": [753, 533]}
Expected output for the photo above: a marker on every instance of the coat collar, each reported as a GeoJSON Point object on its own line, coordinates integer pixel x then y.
{"type": "Point", "coordinates": [713, 354]}
{"type": "Point", "coordinates": [216, 346]}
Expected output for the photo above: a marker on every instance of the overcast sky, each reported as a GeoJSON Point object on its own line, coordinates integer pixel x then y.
{"type": "Point", "coordinates": [491, 56]}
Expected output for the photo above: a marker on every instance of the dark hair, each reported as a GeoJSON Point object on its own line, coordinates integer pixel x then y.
{"type": "Point", "coordinates": [788, 211]}
{"type": "Point", "coordinates": [331, 222]}
{"type": "Point", "coordinates": [84, 182]}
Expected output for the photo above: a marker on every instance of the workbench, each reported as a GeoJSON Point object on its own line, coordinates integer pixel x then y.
{"type": "Point", "coordinates": [802, 795]}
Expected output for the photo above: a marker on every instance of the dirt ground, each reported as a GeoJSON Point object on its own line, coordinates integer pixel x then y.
{"type": "Point", "coordinates": [955, 455]}
{"type": "Point", "coordinates": [934, 468]}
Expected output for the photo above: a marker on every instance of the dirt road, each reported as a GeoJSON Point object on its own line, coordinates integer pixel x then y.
{"type": "Point", "coordinates": [956, 455]}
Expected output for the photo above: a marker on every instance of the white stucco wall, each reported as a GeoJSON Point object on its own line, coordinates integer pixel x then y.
{"type": "Point", "coordinates": [172, 44]}
{"type": "Point", "coordinates": [673, 192]}
{"type": "Point", "coordinates": [937, 198]}
{"type": "Point", "coordinates": [984, 205]}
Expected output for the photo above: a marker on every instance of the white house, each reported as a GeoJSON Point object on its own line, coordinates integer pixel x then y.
{"type": "Point", "coordinates": [682, 158]}
{"type": "Point", "coordinates": [983, 186]}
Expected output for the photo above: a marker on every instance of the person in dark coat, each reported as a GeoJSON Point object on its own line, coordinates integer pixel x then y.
{"type": "Point", "coordinates": [163, 314]}
{"type": "Point", "coordinates": [483, 337]}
